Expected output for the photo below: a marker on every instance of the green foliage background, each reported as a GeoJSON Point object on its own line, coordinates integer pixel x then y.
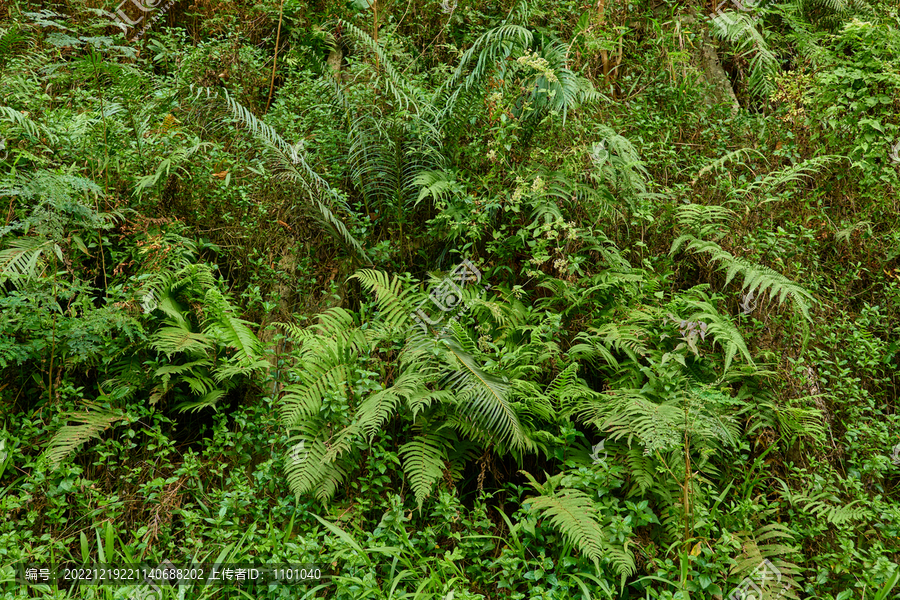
{"type": "Point", "coordinates": [215, 235]}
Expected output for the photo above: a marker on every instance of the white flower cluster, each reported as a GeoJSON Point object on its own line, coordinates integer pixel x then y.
{"type": "Point", "coordinates": [538, 63]}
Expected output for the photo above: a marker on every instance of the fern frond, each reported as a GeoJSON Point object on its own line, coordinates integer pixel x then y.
{"type": "Point", "coordinates": [586, 407]}
{"type": "Point", "coordinates": [395, 84]}
{"type": "Point", "coordinates": [618, 164]}
{"type": "Point", "coordinates": [728, 157]}
{"type": "Point", "coordinates": [375, 409]}
{"type": "Point", "coordinates": [291, 165]}
{"type": "Point", "coordinates": [19, 262]}
{"type": "Point", "coordinates": [223, 325]}
{"type": "Point", "coordinates": [423, 461]}
{"type": "Point", "coordinates": [573, 514]}
{"type": "Point", "coordinates": [641, 467]}
{"type": "Point", "coordinates": [326, 368]}
{"type": "Point", "coordinates": [482, 399]}
{"type": "Point", "coordinates": [207, 400]}
{"type": "Point", "coordinates": [795, 421]}
{"type": "Point", "coordinates": [627, 336]}
{"type": "Point", "coordinates": [92, 423]}
{"type": "Point", "coordinates": [171, 339]}
{"type": "Point", "coordinates": [393, 300]}
{"type": "Point", "coordinates": [763, 560]}
{"type": "Point", "coordinates": [827, 507]}
{"type": "Point", "coordinates": [808, 168]}
{"type": "Point", "coordinates": [492, 48]}
{"type": "Point", "coordinates": [32, 129]}
{"type": "Point", "coordinates": [423, 399]}
{"type": "Point", "coordinates": [628, 414]}
{"type": "Point", "coordinates": [167, 371]}
{"type": "Point", "coordinates": [306, 467]}
{"type": "Point", "coordinates": [563, 383]}
{"type": "Point", "coordinates": [757, 278]}
{"type": "Point", "coordinates": [720, 327]}
{"type": "Point", "coordinates": [704, 219]}
{"type": "Point", "coordinates": [739, 28]}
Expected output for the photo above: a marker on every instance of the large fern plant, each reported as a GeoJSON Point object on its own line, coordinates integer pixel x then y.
{"type": "Point", "coordinates": [289, 163]}
{"type": "Point", "coordinates": [452, 395]}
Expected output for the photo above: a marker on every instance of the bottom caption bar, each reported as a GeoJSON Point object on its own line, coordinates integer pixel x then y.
{"type": "Point", "coordinates": [168, 574]}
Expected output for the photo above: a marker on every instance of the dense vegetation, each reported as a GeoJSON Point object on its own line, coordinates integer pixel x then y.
{"type": "Point", "coordinates": [234, 234]}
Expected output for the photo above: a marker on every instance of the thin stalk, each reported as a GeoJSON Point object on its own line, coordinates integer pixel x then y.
{"type": "Point", "coordinates": [275, 59]}
{"type": "Point", "coordinates": [106, 172]}
{"type": "Point", "coordinates": [52, 341]}
{"type": "Point", "coordinates": [375, 31]}
{"type": "Point", "coordinates": [688, 526]}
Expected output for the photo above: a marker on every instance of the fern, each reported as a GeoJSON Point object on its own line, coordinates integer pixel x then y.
{"type": "Point", "coordinates": [631, 415]}
{"type": "Point", "coordinates": [176, 338]}
{"type": "Point", "coordinates": [705, 220]}
{"type": "Point", "coordinates": [21, 261]}
{"type": "Point", "coordinates": [642, 469]}
{"type": "Point", "coordinates": [395, 84]}
{"type": "Point", "coordinates": [206, 376]}
{"type": "Point", "coordinates": [423, 461]}
{"type": "Point", "coordinates": [827, 507]}
{"type": "Point", "coordinates": [573, 513]}
{"type": "Point", "coordinates": [393, 301]}
{"type": "Point", "coordinates": [763, 559]}
{"type": "Point", "coordinates": [375, 409]}
{"type": "Point", "coordinates": [60, 213]}
{"type": "Point", "coordinates": [310, 471]}
{"type": "Point", "coordinates": [564, 385]}
{"type": "Point", "coordinates": [719, 163]}
{"type": "Point", "coordinates": [838, 515]}
{"type": "Point", "coordinates": [482, 399]}
{"type": "Point", "coordinates": [738, 27]}
{"type": "Point", "coordinates": [795, 421]}
{"type": "Point", "coordinates": [229, 330]}
{"type": "Point", "coordinates": [32, 129]}
{"type": "Point", "coordinates": [439, 382]}
{"type": "Point", "coordinates": [757, 278]}
{"type": "Point", "coordinates": [794, 173]}
{"type": "Point", "coordinates": [618, 164]}
{"type": "Point", "coordinates": [326, 369]}
{"type": "Point", "coordinates": [92, 423]}
{"type": "Point", "coordinates": [720, 327]}
{"type": "Point", "coordinates": [491, 48]}
{"type": "Point", "coordinates": [290, 164]}
{"type": "Point", "coordinates": [628, 337]}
